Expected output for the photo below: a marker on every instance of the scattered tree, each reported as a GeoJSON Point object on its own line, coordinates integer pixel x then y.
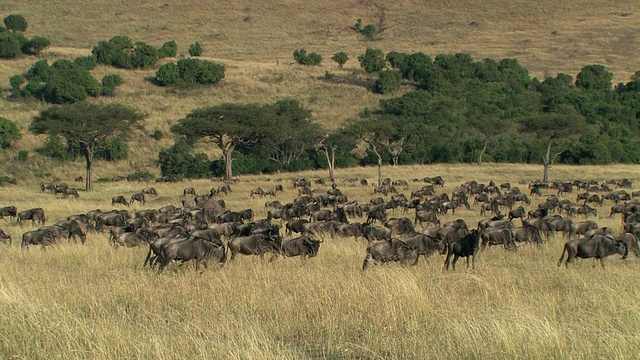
{"type": "Point", "coordinates": [9, 133]}
{"type": "Point", "coordinates": [341, 58]}
{"type": "Point", "coordinates": [195, 49]}
{"type": "Point", "coordinates": [16, 22]}
{"type": "Point", "coordinates": [89, 125]}
{"type": "Point", "coordinates": [373, 60]}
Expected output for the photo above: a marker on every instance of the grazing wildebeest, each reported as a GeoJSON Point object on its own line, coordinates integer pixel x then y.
{"type": "Point", "coordinates": [109, 219]}
{"type": "Point", "coordinates": [425, 245]}
{"type": "Point", "coordinates": [48, 187]}
{"type": "Point", "coordinates": [327, 228]}
{"type": "Point", "coordinates": [321, 215]}
{"type": "Point", "coordinates": [257, 244]}
{"type": "Point", "coordinates": [390, 250]}
{"type": "Point", "coordinates": [519, 212]}
{"type": "Point", "coordinates": [371, 233]}
{"type": "Point", "coordinates": [502, 237]}
{"type": "Point", "coordinates": [583, 227]}
{"type": "Point", "coordinates": [135, 238]}
{"type": "Point", "coordinates": [119, 200]}
{"type": "Point", "coordinates": [528, 233]}
{"type": "Point", "coordinates": [428, 216]}
{"type": "Point", "coordinates": [139, 197]}
{"type": "Point", "coordinates": [464, 247]}
{"type": "Point", "coordinates": [73, 230]}
{"type": "Point", "coordinates": [257, 191]}
{"type": "Point", "coordinates": [9, 211]}
{"type": "Point", "coordinates": [5, 238]}
{"type": "Point", "coordinates": [350, 230]}
{"type": "Point", "coordinates": [296, 226]}
{"type": "Point", "coordinates": [376, 212]}
{"type": "Point", "coordinates": [630, 240]}
{"type": "Point", "coordinates": [402, 226]}
{"type": "Point", "coordinates": [70, 192]}
{"type": "Point", "coordinates": [302, 246]}
{"type": "Point", "coordinates": [150, 191]}
{"type": "Point", "coordinates": [35, 214]}
{"type": "Point", "coordinates": [246, 214]}
{"type": "Point", "coordinates": [189, 191]}
{"type": "Point", "coordinates": [597, 246]}
{"type": "Point", "coordinates": [192, 248]}
{"type": "Point", "coordinates": [42, 237]}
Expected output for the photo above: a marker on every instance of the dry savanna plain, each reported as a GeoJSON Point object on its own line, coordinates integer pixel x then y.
{"type": "Point", "coordinates": [95, 301]}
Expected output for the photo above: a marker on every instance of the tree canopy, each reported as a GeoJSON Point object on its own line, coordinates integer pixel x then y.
{"type": "Point", "coordinates": [88, 125]}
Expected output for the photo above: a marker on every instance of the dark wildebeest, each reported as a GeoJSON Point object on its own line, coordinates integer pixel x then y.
{"type": "Point", "coordinates": [296, 226]}
{"type": "Point", "coordinates": [192, 248]}
{"type": "Point", "coordinates": [48, 187]}
{"type": "Point", "coordinates": [317, 229]}
{"type": "Point", "coordinates": [321, 215]}
{"type": "Point", "coordinates": [35, 214]}
{"type": "Point", "coordinates": [401, 226]}
{"type": "Point", "coordinates": [376, 212]}
{"type": "Point", "coordinates": [528, 233]}
{"type": "Point", "coordinates": [189, 191]}
{"type": "Point", "coordinates": [502, 237]}
{"type": "Point", "coordinates": [257, 191]}
{"type": "Point", "coordinates": [391, 250]}
{"type": "Point", "coordinates": [119, 200]}
{"type": "Point", "coordinates": [109, 219]}
{"type": "Point", "coordinates": [246, 214]}
{"type": "Point", "coordinates": [73, 230]}
{"type": "Point", "coordinates": [464, 247]}
{"type": "Point", "coordinates": [519, 212]}
{"type": "Point", "coordinates": [302, 246]}
{"type": "Point", "coordinates": [139, 197]}
{"type": "Point", "coordinates": [150, 191]}
{"type": "Point", "coordinates": [257, 244]}
{"type": "Point", "coordinates": [347, 230]}
{"type": "Point", "coordinates": [425, 245]}
{"type": "Point", "coordinates": [371, 233]}
{"type": "Point", "coordinates": [70, 192]}
{"type": "Point", "coordinates": [630, 240]}
{"type": "Point", "coordinates": [428, 216]}
{"type": "Point", "coordinates": [4, 238]}
{"type": "Point", "coordinates": [583, 227]}
{"type": "Point", "coordinates": [135, 238]}
{"type": "Point", "coordinates": [9, 211]}
{"type": "Point", "coordinates": [597, 246]}
{"type": "Point", "coordinates": [42, 237]}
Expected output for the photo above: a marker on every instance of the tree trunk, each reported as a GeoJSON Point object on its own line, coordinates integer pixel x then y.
{"type": "Point", "coordinates": [375, 150]}
{"type": "Point", "coordinates": [88, 155]}
{"type": "Point", "coordinates": [331, 160]}
{"type": "Point", "coordinates": [484, 149]}
{"type": "Point", "coordinates": [547, 163]}
{"type": "Point", "coordinates": [227, 163]}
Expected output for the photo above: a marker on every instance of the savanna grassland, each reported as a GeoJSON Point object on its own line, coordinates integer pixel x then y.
{"type": "Point", "coordinates": [96, 301]}
{"type": "Point", "coordinates": [255, 41]}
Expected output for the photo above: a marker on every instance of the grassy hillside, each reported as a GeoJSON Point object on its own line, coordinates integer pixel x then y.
{"type": "Point", "coordinates": [94, 301]}
{"type": "Point", "coordinates": [255, 41]}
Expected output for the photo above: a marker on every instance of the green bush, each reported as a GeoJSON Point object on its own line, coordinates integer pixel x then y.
{"type": "Point", "coordinates": [109, 84]}
{"type": "Point", "coordinates": [144, 56]}
{"type": "Point", "coordinates": [168, 74]}
{"type": "Point", "coordinates": [373, 60]}
{"type": "Point", "coordinates": [61, 83]}
{"type": "Point", "coordinates": [195, 49]}
{"type": "Point", "coordinates": [189, 72]}
{"type": "Point", "coordinates": [35, 45]}
{"type": "Point", "coordinates": [341, 58]}
{"type": "Point", "coordinates": [16, 82]}
{"type": "Point", "coordinates": [11, 44]}
{"type": "Point", "coordinates": [115, 52]}
{"type": "Point", "coordinates": [9, 133]}
{"type": "Point", "coordinates": [178, 161]}
{"type": "Point", "coordinates": [40, 71]}
{"type": "Point", "coordinates": [388, 82]}
{"type": "Point", "coordinates": [113, 150]}
{"type": "Point", "coordinates": [16, 22]}
{"type": "Point", "coordinates": [370, 31]}
{"type": "Point", "coordinates": [88, 62]}
{"type": "Point", "coordinates": [301, 56]}
{"type": "Point", "coordinates": [140, 175]}
{"type": "Point", "coordinates": [23, 156]}
{"type": "Point", "coordinates": [157, 135]}
{"type": "Point", "coordinates": [54, 148]}
{"type": "Point", "coordinates": [168, 49]}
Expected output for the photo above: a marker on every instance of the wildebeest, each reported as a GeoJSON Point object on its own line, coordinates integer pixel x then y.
{"type": "Point", "coordinates": [597, 246]}
{"type": "Point", "coordinates": [109, 219]}
{"type": "Point", "coordinates": [302, 246]}
{"type": "Point", "coordinates": [518, 212]}
{"type": "Point", "coordinates": [376, 212]}
{"type": "Point", "coordinates": [371, 233]}
{"type": "Point", "coordinates": [424, 245]}
{"type": "Point", "coordinates": [296, 226]}
{"type": "Point", "coordinates": [35, 215]}
{"type": "Point", "coordinates": [70, 192]}
{"type": "Point", "coordinates": [257, 244]}
{"type": "Point", "coordinates": [464, 247]}
{"type": "Point", "coordinates": [42, 237]}
{"type": "Point", "coordinates": [119, 200]}
{"type": "Point", "coordinates": [401, 226]}
{"type": "Point", "coordinates": [192, 248]}
{"type": "Point", "coordinates": [139, 197]}
{"type": "Point", "coordinates": [150, 191]}
{"type": "Point", "coordinates": [257, 191]}
{"type": "Point", "coordinates": [136, 238]}
{"type": "Point", "coordinates": [391, 250]}
{"type": "Point", "coordinates": [189, 191]}
{"type": "Point", "coordinates": [73, 230]}
{"type": "Point", "coordinates": [502, 237]}
{"type": "Point", "coordinates": [5, 238]}
{"type": "Point", "coordinates": [9, 211]}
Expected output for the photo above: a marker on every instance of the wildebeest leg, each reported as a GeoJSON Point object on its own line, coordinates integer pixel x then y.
{"type": "Point", "coordinates": [455, 260]}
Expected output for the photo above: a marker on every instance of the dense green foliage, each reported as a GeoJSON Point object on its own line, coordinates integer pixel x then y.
{"type": "Point", "coordinates": [35, 45]}
{"type": "Point", "coordinates": [15, 22]}
{"type": "Point", "coordinates": [388, 82]}
{"type": "Point", "coordinates": [111, 150]}
{"type": "Point", "coordinates": [178, 160]}
{"type": "Point", "coordinates": [11, 44]}
{"type": "Point", "coordinates": [9, 133]}
{"type": "Point", "coordinates": [168, 49]}
{"type": "Point", "coordinates": [341, 58]}
{"type": "Point", "coordinates": [189, 72]}
{"type": "Point", "coordinates": [195, 49]}
{"type": "Point", "coordinates": [301, 56]}
{"type": "Point", "coordinates": [122, 52]}
{"type": "Point", "coordinates": [373, 60]}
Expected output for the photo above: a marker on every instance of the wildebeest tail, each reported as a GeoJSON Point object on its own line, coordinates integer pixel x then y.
{"type": "Point", "coordinates": [564, 250]}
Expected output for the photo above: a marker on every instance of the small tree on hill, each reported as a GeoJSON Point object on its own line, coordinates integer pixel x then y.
{"type": "Point", "coordinates": [341, 58]}
{"type": "Point", "coordinates": [195, 49]}
{"type": "Point", "coordinates": [9, 133]}
{"type": "Point", "coordinates": [89, 125]}
{"type": "Point", "coordinates": [16, 22]}
{"type": "Point", "coordinates": [373, 60]}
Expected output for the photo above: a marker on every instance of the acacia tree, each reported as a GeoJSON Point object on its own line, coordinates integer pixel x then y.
{"type": "Point", "coordinates": [331, 144]}
{"type": "Point", "coordinates": [378, 133]}
{"type": "Point", "coordinates": [88, 125]}
{"type": "Point", "coordinates": [551, 127]}
{"type": "Point", "coordinates": [227, 126]}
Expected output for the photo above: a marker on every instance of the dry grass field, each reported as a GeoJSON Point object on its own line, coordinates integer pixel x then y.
{"type": "Point", "coordinates": [255, 41]}
{"type": "Point", "coordinates": [95, 301]}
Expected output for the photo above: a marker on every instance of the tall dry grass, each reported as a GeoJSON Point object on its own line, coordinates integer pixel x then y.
{"type": "Point", "coordinates": [94, 301]}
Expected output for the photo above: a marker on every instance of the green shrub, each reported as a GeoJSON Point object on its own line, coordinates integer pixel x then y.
{"type": "Point", "coordinates": [35, 45]}
{"type": "Point", "coordinates": [62, 82]}
{"type": "Point", "coordinates": [373, 60]}
{"type": "Point", "coordinates": [54, 148]}
{"type": "Point", "coordinates": [341, 58]}
{"type": "Point", "coordinates": [144, 56]}
{"type": "Point", "coordinates": [16, 82]}
{"type": "Point", "coordinates": [113, 150]}
{"type": "Point", "coordinates": [23, 156]}
{"type": "Point", "coordinates": [115, 52]}
{"type": "Point", "coordinates": [168, 49]}
{"type": "Point", "coordinates": [109, 84]}
{"type": "Point", "coordinates": [168, 74]}
{"type": "Point", "coordinates": [303, 58]}
{"type": "Point", "coordinates": [178, 160]}
{"type": "Point", "coordinates": [40, 71]}
{"type": "Point", "coordinates": [88, 62]}
{"type": "Point", "coordinates": [16, 22]}
{"type": "Point", "coordinates": [11, 44]}
{"type": "Point", "coordinates": [210, 73]}
{"type": "Point", "coordinates": [9, 133]}
{"type": "Point", "coordinates": [157, 134]}
{"type": "Point", "coordinates": [388, 82]}
{"type": "Point", "coordinates": [140, 175]}
{"type": "Point", "coordinates": [189, 72]}
{"type": "Point", "coordinates": [195, 49]}
{"type": "Point", "coordinates": [370, 31]}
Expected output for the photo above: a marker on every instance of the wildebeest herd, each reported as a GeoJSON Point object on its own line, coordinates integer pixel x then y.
{"type": "Point", "coordinates": [204, 230]}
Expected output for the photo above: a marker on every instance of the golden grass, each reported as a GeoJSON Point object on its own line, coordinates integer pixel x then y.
{"type": "Point", "coordinates": [93, 301]}
{"type": "Point", "coordinates": [256, 41]}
